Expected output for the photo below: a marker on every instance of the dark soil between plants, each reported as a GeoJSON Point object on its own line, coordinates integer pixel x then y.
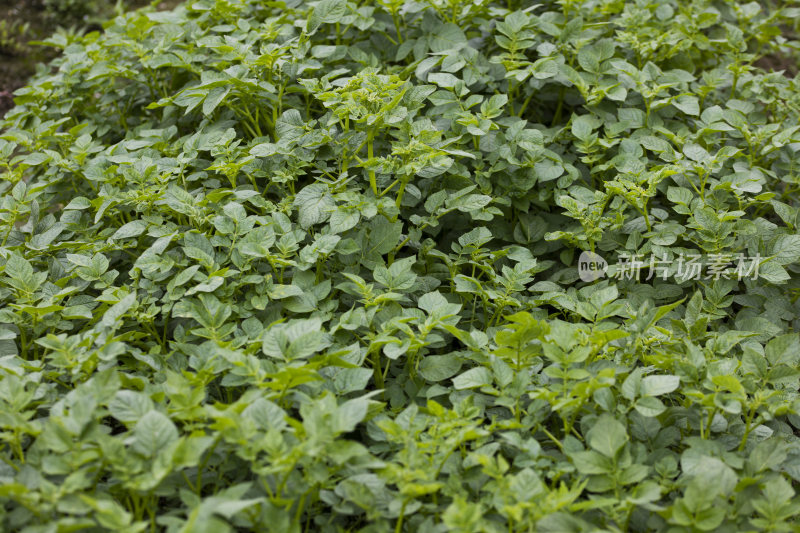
{"type": "Point", "coordinates": [17, 66]}
{"type": "Point", "coordinates": [789, 66]}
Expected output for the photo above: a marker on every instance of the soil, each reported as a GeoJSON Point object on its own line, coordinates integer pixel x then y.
{"type": "Point", "coordinates": [777, 63]}
{"type": "Point", "coordinates": [16, 65]}
{"type": "Point", "coordinates": [12, 77]}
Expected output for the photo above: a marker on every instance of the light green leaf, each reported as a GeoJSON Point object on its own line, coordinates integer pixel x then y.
{"type": "Point", "coordinates": [314, 204]}
{"type": "Point", "coordinates": [152, 433]}
{"type": "Point", "coordinates": [473, 378]}
{"type": "Point", "coordinates": [607, 436]}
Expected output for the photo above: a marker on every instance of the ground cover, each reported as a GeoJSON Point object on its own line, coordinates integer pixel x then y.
{"type": "Point", "coordinates": [405, 266]}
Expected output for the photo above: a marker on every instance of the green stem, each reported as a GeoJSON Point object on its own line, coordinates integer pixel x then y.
{"type": "Point", "coordinates": [553, 439]}
{"type": "Point", "coordinates": [23, 342]}
{"type": "Point", "coordinates": [748, 428]}
{"type": "Point", "coordinates": [377, 371]}
{"type": "Point", "coordinates": [646, 217]}
{"type": "Point", "coordinates": [372, 182]}
{"type": "Point", "coordinates": [525, 104]}
{"type": "Point", "coordinates": [389, 188]}
{"type": "Point", "coordinates": [10, 227]}
{"type": "Point", "coordinates": [400, 193]}
{"type": "Point", "coordinates": [399, 527]}
{"type": "Point", "coordinates": [709, 421]}
{"type": "Point", "coordinates": [10, 463]}
{"type": "Point", "coordinates": [557, 115]}
{"type": "Point", "coordinates": [298, 516]}
{"type": "Point", "coordinates": [397, 27]}
{"type": "Point", "coordinates": [405, 241]}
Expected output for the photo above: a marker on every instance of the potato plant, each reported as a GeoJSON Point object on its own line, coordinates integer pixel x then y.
{"type": "Point", "coordinates": [317, 266]}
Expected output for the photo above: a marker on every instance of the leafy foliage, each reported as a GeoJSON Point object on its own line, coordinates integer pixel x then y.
{"type": "Point", "coordinates": [312, 266]}
{"type": "Point", "coordinates": [12, 37]}
{"type": "Point", "coordinates": [80, 12]}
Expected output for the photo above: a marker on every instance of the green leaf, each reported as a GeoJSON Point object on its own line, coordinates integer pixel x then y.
{"type": "Point", "coordinates": [116, 311]}
{"type": "Point", "coordinates": [591, 463]}
{"type": "Point", "coordinates": [473, 378]}
{"type": "Point", "coordinates": [439, 367]}
{"type": "Point", "coordinates": [650, 406]}
{"type": "Point", "coordinates": [448, 38]}
{"type": "Point", "coordinates": [687, 103]}
{"type": "Point", "coordinates": [326, 12]}
{"type": "Point", "coordinates": [153, 433]}
{"type": "Point", "coordinates": [607, 436]}
{"type": "Point", "coordinates": [131, 229]}
{"type": "Point", "coordinates": [314, 204]}
{"type": "Point", "coordinates": [18, 268]}
{"type": "Point", "coordinates": [214, 98]}
{"type": "Point", "coordinates": [787, 249]}
{"type": "Point", "coordinates": [384, 236]}
{"type": "Point", "coordinates": [658, 385]}
{"type": "Point", "coordinates": [443, 79]}
{"type": "Point", "coordinates": [130, 406]}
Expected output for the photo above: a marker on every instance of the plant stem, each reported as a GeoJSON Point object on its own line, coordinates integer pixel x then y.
{"type": "Point", "coordinates": [372, 182]}
{"type": "Point", "coordinates": [399, 527]}
{"type": "Point", "coordinates": [377, 370]}
{"type": "Point", "coordinates": [557, 115]}
{"type": "Point", "coordinates": [401, 192]}
{"type": "Point", "coordinates": [396, 21]}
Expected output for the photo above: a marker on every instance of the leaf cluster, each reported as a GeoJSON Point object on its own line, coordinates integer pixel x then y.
{"type": "Point", "coordinates": [312, 266]}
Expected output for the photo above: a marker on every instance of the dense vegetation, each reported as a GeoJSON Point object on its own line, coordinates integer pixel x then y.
{"type": "Point", "coordinates": [26, 21]}
{"type": "Point", "coordinates": [313, 267]}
